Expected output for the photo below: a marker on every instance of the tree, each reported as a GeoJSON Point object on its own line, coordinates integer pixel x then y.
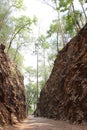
{"type": "Point", "coordinates": [37, 57]}
{"type": "Point", "coordinates": [21, 25]}
{"type": "Point", "coordinates": [19, 59]}
{"type": "Point", "coordinates": [58, 24]}
{"type": "Point", "coordinates": [14, 30]}
{"type": "Point", "coordinates": [66, 9]}
{"type": "Point", "coordinates": [55, 28]}
{"type": "Point", "coordinates": [4, 26]}
{"type": "Point", "coordinates": [31, 97]}
{"type": "Point", "coordinates": [69, 24]}
{"type": "Point", "coordinates": [83, 9]}
{"type": "Point", "coordinates": [30, 74]}
{"type": "Point", "coordinates": [43, 44]}
{"type": "Point", "coordinates": [6, 10]}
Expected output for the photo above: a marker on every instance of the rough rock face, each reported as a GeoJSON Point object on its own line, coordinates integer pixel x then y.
{"type": "Point", "coordinates": [12, 92]}
{"type": "Point", "coordinates": [64, 96]}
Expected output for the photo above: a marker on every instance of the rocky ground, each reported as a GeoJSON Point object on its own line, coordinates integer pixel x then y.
{"type": "Point", "coordinates": [64, 96]}
{"type": "Point", "coordinates": [12, 92]}
{"type": "Point", "coordinates": [33, 123]}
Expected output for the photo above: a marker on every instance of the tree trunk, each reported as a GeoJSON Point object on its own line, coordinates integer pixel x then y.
{"type": "Point", "coordinates": [44, 66]}
{"type": "Point", "coordinates": [62, 34]}
{"type": "Point", "coordinates": [16, 52]}
{"type": "Point", "coordinates": [82, 23]}
{"type": "Point", "coordinates": [61, 30]}
{"type": "Point", "coordinates": [83, 9]}
{"type": "Point", "coordinates": [37, 72]}
{"type": "Point", "coordinates": [14, 35]}
{"type": "Point", "coordinates": [75, 18]}
{"type": "Point", "coordinates": [57, 43]}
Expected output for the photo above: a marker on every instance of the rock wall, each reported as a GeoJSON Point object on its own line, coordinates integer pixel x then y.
{"type": "Point", "coordinates": [64, 96]}
{"type": "Point", "coordinates": [12, 92]}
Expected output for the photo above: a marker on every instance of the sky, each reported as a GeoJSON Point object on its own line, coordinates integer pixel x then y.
{"type": "Point", "coordinates": [45, 15]}
{"type": "Point", "coordinates": [43, 12]}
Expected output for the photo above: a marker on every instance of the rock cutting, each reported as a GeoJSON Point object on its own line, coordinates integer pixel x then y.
{"type": "Point", "coordinates": [64, 96]}
{"type": "Point", "coordinates": [12, 91]}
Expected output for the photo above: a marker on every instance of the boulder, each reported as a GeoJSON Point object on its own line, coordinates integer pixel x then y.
{"type": "Point", "coordinates": [64, 96]}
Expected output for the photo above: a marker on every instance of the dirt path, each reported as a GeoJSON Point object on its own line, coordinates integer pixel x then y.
{"type": "Point", "coordinates": [33, 123]}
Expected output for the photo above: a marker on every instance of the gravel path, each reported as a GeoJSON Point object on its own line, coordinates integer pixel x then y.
{"type": "Point", "coordinates": [36, 123]}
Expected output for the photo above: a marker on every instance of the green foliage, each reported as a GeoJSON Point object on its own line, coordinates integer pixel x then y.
{"type": "Point", "coordinates": [69, 23]}
{"type": "Point", "coordinates": [14, 31]}
{"type": "Point", "coordinates": [31, 97]}
{"type": "Point", "coordinates": [18, 60]}
{"type": "Point", "coordinates": [18, 4]}
{"type": "Point", "coordinates": [42, 42]}
{"type": "Point", "coordinates": [64, 5]}
{"type": "Point", "coordinates": [22, 22]}
{"type": "Point", "coordinates": [54, 28]}
{"type": "Point", "coordinates": [30, 73]}
{"type": "Point", "coordinates": [4, 25]}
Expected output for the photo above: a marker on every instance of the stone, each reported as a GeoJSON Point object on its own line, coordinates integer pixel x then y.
{"type": "Point", "coordinates": [64, 96]}
{"type": "Point", "coordinates": [12, 91]}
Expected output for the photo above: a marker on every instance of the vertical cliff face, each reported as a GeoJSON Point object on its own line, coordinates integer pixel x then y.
{"type": "Point", "coordinates": [12, 92]}
{"type": "Point", "coordinates": [64, 96]}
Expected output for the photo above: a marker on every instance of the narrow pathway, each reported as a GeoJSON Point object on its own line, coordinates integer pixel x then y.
{"type": "Point", "coordinates": [36, 123]}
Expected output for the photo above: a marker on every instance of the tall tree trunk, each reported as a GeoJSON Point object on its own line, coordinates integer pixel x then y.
{"type": "Point", "coordinates": [75, 19]}
{"type": "Point", "coordinates": [34, 106]}
{"type": "Point", "coordinates": [16, 52]}
{"type": "Point", "coordinates": [57, 43]}
{"type": "Point", "coordinates": [37, 71]}
{"type": "Point", "coordinates": [82, 23]}
{"type": "Point", "coordinates": [83, 9]}
{"type": "Point", "coordinates": [62, 34]}
{"type": "Point", "coordinates": [61, 30]}
{"type": "Point", "coordinates": [57, 29]}
{"type": "Point", "coordinates": [44, 65]}
{"type": "Point", "coordinates": [15, 55]}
